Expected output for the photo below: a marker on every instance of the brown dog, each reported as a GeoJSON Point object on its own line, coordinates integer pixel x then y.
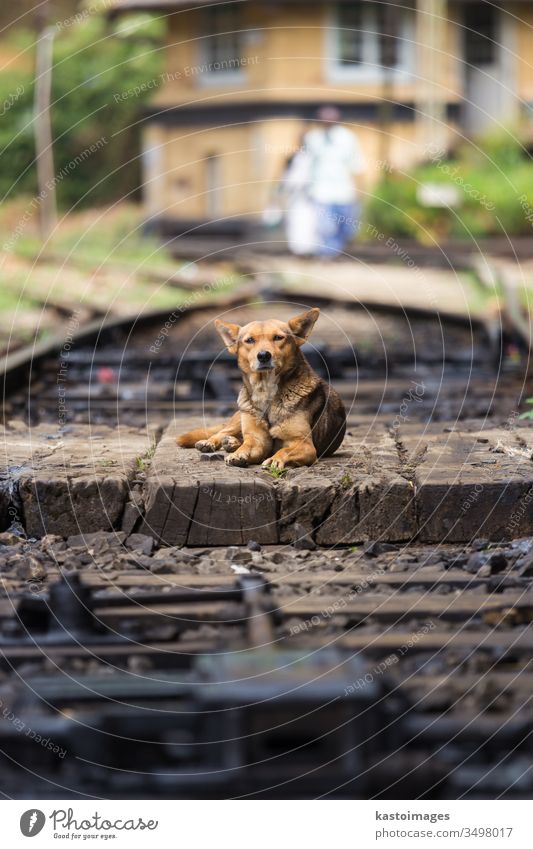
{"type": "Point", "coordinates": [288, 416]}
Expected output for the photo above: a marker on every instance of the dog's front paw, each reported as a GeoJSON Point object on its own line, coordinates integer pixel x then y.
{"type": "Point", "coordinates": [206, 446]}
{"type": "Point", "coordinates": [237, 459]}
{"type": "Point", "coordinates": [230, 444]}
{"type": "Point", "coordinates": [274, 463]}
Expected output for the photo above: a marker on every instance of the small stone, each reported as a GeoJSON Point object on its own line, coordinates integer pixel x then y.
{"type": "Point", "coordinates": [163, 566]}
{"type": "Point", "coordinates": [399, 566]}
{"type": "Point", "coordinates": [457, 561]}
{"type": "Point", "coordinates": [475, 562]}
{"type": "Point", "coordinates": [205, 567]}
{"type": "Point", "coordinates": [31, 569]}
{"type": "Point", "coordinates": [140, 542]}
{"type": "Point", "coordinates": [432, 559]}
{"type": "Point", "coordinates": [241, 555]}
{"type": "Point", "coordinates": [374, 549]}
{"type": "Point", "coordinates": [524, 566]}
{"type": "Point", "coordinates": [252, 545]}
{"type": "Point", "coordinates": [175, 553]}
{"type": "Point", "coordinates": [277, 557]}
{"type": "Point", "coordinates": [8, 551]}
{"type": "Point", "coordinates": [8, 538]}
{"type": "Point", "coordinates": [78, 541]}
{"type": "Point", "coordinates": [485, 571]}
{"type": "Point", "coordinates": [85, 559]}
{"type": "Point", "coordinates": [239, 570]}
{"type": "Point", "coordinates": [51, 539]}
{"type": "Point", "coordinates": [96, 541]}
{"type": "Point", "coordinates": [214, 456]}
{"type": "Point", "coordinates": [302, 539]}
{"type": "Point", "coordinates": [163, 553]}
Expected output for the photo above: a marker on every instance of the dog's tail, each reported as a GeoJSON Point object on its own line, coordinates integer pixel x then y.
{"type": "Point", "coordinates": [189, 440]}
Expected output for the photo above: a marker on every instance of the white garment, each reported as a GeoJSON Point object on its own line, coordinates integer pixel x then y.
{"type": "Point", "coordinates": [336, 157]}
{"type": "Point", "coordinates": [300, 226]}
{"type": "Point", "coordinates": [300, 217]}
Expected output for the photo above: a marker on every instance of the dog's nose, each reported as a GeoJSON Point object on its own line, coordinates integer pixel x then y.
{"type": "Point", "coordinates": [264, 356]}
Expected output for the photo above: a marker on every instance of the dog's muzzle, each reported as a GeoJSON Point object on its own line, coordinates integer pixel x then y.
{"type": "Point", "coordinates": [264, 361]}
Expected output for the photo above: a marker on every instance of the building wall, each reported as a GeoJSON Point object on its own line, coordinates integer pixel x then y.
{"type": "Point", "coordinates": [524, 50]}
{"type": "Point", "coordinates": [273, 70]}
{"type": "Point", "coordinates": [250, 151]}
{"type": "Point", "coordinates": [185, 159]}
{"type": "Point", "coordinates": [250, 162]}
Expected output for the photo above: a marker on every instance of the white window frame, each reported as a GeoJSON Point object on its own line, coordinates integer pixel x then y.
{"type": "Point", "coordinates": [370, 70]}
{"type": "Point", "coordinates": [220, 78]}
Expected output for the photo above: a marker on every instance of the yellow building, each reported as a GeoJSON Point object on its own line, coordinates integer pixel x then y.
{"type": "Point", "coordinates": [243, 80]}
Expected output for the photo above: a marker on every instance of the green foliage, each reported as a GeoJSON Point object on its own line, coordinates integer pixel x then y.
{"type": "Point", "coordinates": [275, 472]}
{"type": "Point", "coordinates": [91, 65]}
{"type": "Point", "coordinates": [346, 480]}
{"type": "Point", "coordinates": [500, 148]}
{"type": "Point", "coordinates": [529, 413]}
{"type": "Point", "coordinates": [494, 180]}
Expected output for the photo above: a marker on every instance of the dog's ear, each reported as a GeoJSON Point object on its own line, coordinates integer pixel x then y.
{"type": "Point", "coordinates": [302, 325]}
{"type": "Point", "coordinates": [229, 333]}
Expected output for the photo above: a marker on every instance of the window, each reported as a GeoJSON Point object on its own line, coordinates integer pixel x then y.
{"type": "Point", "coordinates": [480, 34]}
{"type": "Point", "coordinates": [222, 44]}
{"type": "Point", "coordinates": [365, 36]}
{"type": "Point", "coordinates": [350, 34]}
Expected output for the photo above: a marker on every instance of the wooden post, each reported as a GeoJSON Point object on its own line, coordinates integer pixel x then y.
{"type": "Point", "coordinates": [43, 131]}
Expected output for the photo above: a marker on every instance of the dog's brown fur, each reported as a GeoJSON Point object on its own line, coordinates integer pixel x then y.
{"type": "Point", "coordinates": [288, 416]}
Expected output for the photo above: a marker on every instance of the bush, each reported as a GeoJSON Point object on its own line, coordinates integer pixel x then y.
{"type": "Point", "coordinates": [495, 183]}
{"type": "Point", "coordinates": [90, 66]}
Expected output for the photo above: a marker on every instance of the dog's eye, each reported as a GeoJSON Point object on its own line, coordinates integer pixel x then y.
{"type": "Point", "coordinates": [278, 338]}
{"type": "Point", "coordinates": [250, 340]}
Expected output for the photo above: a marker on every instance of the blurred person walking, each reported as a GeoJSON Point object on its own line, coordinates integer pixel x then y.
{"type": "Point", "coordinates": [336, 159]}
{"type": "Point", "coordinates": [300, 211]}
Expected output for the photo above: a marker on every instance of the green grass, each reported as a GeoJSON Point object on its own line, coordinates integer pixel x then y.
{"type": "Point", "coordinates": [106, 241]}
{"type": "Point", "coordinates": [143, 462]}
{"type": "Point", "coordinates": [275, 472]}
{"type": "Point", "coordinates": [346, 480]}
{"type": "Point", "coordinates": [12, 301]}
{"type": "Point", "coordinates": [95, 237]}
{"type": "Point", "coordinates": [528, 414]}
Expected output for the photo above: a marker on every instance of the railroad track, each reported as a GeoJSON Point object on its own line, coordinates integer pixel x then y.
{"type": "Point", "coordinates": [264, 670]}
{"type": "Point", "coordinates": [334, 682]}
{"type": "Point", "coordinates": [136, 371]}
